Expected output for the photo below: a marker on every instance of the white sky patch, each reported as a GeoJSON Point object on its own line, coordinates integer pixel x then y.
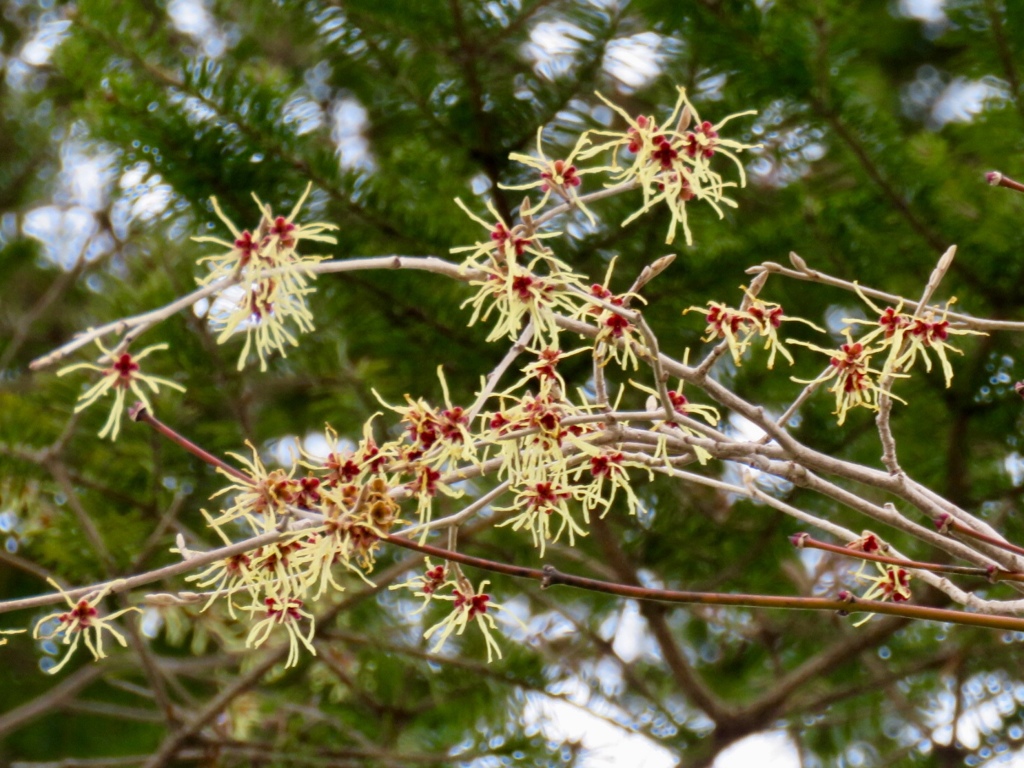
{"type": "Point", "coordinates": [1014, 466]}
{"type": "Point", "coordinates": [743, 428]}
{"type": "Point", "coordinates": [316, 445]}
{"type": "Point", "coordinates": [553, 47]}
{"type": "Point", "coordinates": [628, 642]}
{"type": "Point", "coordinates": [607, 745]}
{"type": "Point", "coordinates": [221, 308]}
{"type": "Point", "coordinates": [193, 18]}
{"type": "Point", "coordinates": [304, 113]}
{"type": "Point", "coordinates": [963, 99]}
{"type": "Point", "coordinates": [349, 121]}
{"type": "Point", "coordinates": [64, 232]}
{"type": "Point", "coordinates": [285, 451]}
{"type": "Point", "coordinates": [68, 227]}
{"type": "Point", "coordinates": [988, 701]}
{"type": "Point", "coordinates": [40, 47]}
{"type": "Point", "coordinates": [634, 61]}
{"type": "Point", "coordinates": [772, 749]}
{"type": "Point", "coordinates": [929, 11]}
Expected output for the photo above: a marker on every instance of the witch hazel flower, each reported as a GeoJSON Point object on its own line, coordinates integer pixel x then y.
{"type": "Point", "coordinates": [726, 324]}
{"type": "Point", "coordinates": [544, 370]}
{"type": "Point", "coordinates": [260, 499]}
{"type": "Point", "coordinates": [855, 382]}
{"type": "Point", "coordinates": [529, 432]}
{"type": "Point", "coordinates": [765, 319]}
{"type": "Point", "coordinates": [891, 584]}
{"type": "Point", "coordinates": [287, 612]}
{"type": "Point", "coordinates": [226, 577]}
{"type": "Point", "coordinates": [469, 605]}
{"type": "Point", "coordinates": [272, 245]}
{"type": "Point", "coordinates": [908, 337]}
{"type": "Point", "coordinates": [538, 503]}
{"type": "Point", "coordinates": [82, 622]}
{"type": "Point", "coordinates": [343, 466]}
{"type": "Point", "coordinates": [607, 470]}
{"type": "Point", "coordinates": [272, 279]}
{"type": "Point", "coordinates": [263, 311]}
{"type": "Point", "coordinates": [670, 163]}
{"type": "Point", "coordinates": [740, 327]}
{"type": "Point", "coordinates": [434, 580]}
{"type": "Point", "coordinates": [280, 568]}
{"type": "Point", "coordinates": [517, 294]}
{"type": "Point", "coordinates": [438, 437]}
{"type": "Point", "coordinates": [426, 485]}
{"type": "Point", "coordinates": [560, 177]}
{"type": "Point", "coordinates": [616, 337]}
{"type": "Point", "coordinates": [504, 243]}
{"type": "Point", "coordinates": [121, 375]}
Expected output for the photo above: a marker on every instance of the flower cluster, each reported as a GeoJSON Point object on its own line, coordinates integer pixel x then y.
{"type": "Point", "coordinates": [855, 382]}
{"type": "Point", "coordinates": [121, 375]}
{"type": "Point", "coordinates": [553, 455]}
{"type": "Point", "coordinates": [518, 292]}
{"type": "Point", "coordinates": [672, 161]}
{"type": "Point", "coordinates": [739, 327]}
{"type": "Point", "coordinates": [334, 516]}
{"type": "Point", "coordinates": [907, 337]}
{"type": "Point", "coordinates": [469, 604]}
{"type": "Point", "coordinates": [901, 337]}
{"type": "Point", "coordinates": [274, 278]}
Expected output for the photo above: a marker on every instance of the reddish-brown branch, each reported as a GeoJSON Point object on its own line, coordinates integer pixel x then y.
{"type": "Point", "coordinates": [549, 576]}
{"type": "Point", "coordinates": [946, 523]}
{"type": "Point", "coordinates": [804, 541]}
{"type": "Point", "coordinates": [996, 179]}
{"type": "Point", "coordinates": [139, 412]}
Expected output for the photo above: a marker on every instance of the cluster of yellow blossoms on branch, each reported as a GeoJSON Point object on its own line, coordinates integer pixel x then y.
{"type": "Point", "coordinates": [550, 451]}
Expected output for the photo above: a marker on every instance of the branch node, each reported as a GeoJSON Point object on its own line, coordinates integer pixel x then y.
{"type": "Point", "coordinates": [550, 574]}
{"type": "Point", "coordinates": [847, 597]}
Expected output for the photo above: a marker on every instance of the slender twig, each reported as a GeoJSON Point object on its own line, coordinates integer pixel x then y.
{"type": "Point", "coordinates": [550, 576]}
{"type": "Point", "coordinates": [997, 179]}
{"type": "Point", "coordinates": [804, 541]}
{"type": "Point", "coordinates": [957, 319]}
{"type": "Point", "coordinates": [92, 533]}
{"type": "Point", "coordinates": [462, 515]}
{"type": "Point", "coordinates": [946, 523]}
{"type": "Point", "coordinates": [495, 376]}
{"type": "Point", "coordinates": [116, 586]}
{"type": "Point", "coordinates": [139, 412]}
{"type": "Point", "coordinates": [136, 325]}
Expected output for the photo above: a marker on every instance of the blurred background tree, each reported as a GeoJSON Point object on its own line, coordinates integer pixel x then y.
{"type": "Point", "coordinates": [118, 120]}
